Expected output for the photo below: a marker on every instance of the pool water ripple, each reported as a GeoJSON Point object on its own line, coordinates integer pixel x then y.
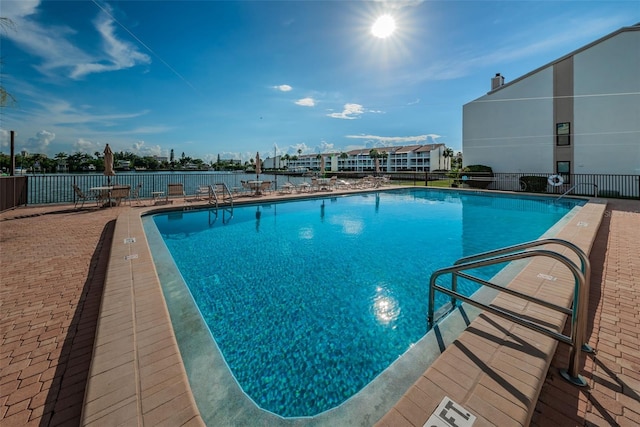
{"type": "Point", "coordinates": [310, 300]}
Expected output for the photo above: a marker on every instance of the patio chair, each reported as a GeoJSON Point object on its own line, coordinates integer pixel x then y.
{"type": "Point", "coordinates": [136, 194]}
{"type": "Point", "coordinates": [121, 193]}
{"type": "Point", "coordinates": [203, 190]}
{"type": "Point", "coordinates": [265, 187]}
{"type": "Point", "coordinates": [80, 195]}
{"type": "Point", "coordinates": [245, 188]}
{"type": "Point", "coordinates": [175, 190]}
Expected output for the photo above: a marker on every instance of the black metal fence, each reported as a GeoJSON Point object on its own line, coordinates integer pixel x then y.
{"type": "Point", "coordinates": [58, 188]}
{"type": "Point", "coordinates": [602, 185]}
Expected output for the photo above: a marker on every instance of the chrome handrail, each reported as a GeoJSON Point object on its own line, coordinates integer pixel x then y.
{"type": "Point", "coordinates": [578, 311]}
{"type": "Point", "coordinates": [227, 198]}
{"type": "Point", "coordinates": [585, 268]}
{"type": "Point", "coordinates": [575, 185]}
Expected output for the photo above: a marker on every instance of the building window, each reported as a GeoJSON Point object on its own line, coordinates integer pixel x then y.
{"type": "Point", "coordinates": [563, 131]}
{"type": "Point", "coordinates": [564, 170]}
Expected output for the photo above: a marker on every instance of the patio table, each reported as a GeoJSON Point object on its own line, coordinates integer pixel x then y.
{"type": "Point", "coordinates": [255, 186]}
{"type": "Point", "coordinates": [103, 193]}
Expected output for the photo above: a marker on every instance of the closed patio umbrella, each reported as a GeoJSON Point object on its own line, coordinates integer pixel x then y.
{"type": "Point", "coordinates": [108, 164]}
{"type": "Point", "coordinates": [258, 166]}
{"type": "Point", "coordinates": [377, 161]}
{"type": "Point", "coordinates": [322, 166]}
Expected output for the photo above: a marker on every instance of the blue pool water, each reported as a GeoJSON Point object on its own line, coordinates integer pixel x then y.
{"type": "Point", "coordinates": [310, 300]}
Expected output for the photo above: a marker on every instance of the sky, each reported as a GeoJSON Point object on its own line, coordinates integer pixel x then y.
{"type": "Point", "coordinates": [232, 78]}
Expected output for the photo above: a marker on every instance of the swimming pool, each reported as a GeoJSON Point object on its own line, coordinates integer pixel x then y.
{"type": "Point", "coordinates": [310, 300]}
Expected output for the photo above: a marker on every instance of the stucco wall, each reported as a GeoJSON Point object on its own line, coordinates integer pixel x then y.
{"type": "Point", "coordinates": [607, 106]}
{"type": "Point", "coordinates": [511, 130]}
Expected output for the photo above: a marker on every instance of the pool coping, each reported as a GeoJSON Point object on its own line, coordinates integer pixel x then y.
{"type": "Point", "coordinates": [137, 371]}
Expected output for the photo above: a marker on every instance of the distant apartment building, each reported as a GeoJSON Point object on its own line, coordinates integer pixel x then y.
{"type": "Point", "coordinates": [411, 158]}
{"type": "Point", "coordinates": [579, 114]}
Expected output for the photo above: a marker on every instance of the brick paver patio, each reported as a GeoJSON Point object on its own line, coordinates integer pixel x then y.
{"type": "Point", "coordinates": [53, 260]}
{"type": "Point", "coordinates": [613, 373]}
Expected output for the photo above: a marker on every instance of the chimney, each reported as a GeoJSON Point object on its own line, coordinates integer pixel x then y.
{"type": "Point", "coordinates": [497, 81]}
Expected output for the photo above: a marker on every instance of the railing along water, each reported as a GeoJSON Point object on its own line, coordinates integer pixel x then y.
{"type": "Point", "coordinates": [578, 312]}
{"type": "Point", "coordinates": [58, 188]}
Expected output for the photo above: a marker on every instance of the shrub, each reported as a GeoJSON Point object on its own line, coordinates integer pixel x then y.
{"type": "Point", "coordinates": [534, 184]}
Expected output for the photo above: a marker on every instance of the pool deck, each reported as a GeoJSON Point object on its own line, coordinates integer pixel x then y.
{"type": "Point", "coordinates": [84, 343]}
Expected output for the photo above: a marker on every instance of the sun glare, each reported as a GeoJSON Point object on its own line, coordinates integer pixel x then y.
{"type": "Point", "coordinates": [384, 26]}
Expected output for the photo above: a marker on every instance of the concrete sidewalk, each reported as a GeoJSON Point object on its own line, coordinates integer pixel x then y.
{"type": "Point", "coordinates": [53, 260]}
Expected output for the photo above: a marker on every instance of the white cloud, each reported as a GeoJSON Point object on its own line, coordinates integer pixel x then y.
{"type": "Point", "coordinates": [56, 52]}
{"type": "Point", "coordinates": [140, 148]}
{"type": "Point", "coordinates": [350, 112]}
{"type": "Point", "coordinates": [306, 102]}
{"type": "Point", "coordinates": [326, 147]}
{"type": "Point", "coordinates": [120, 54]}
{"type": "Point", "coordinates": [398, 140]}
{"type": "Point", "coordinates": [85, 146]}
{"type": "Point", "coordinates": [293, 149]}
{"type": "Point", "coordinates": [5, 139]}
{"type": "Point", "coordinates": [283, 88]}
{"type": "Point", "coordinates": [41, 141]}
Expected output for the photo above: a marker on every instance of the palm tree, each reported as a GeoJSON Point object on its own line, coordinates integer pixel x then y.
{"type": "Point", "coordinates": [5, 97]}
{"type": "Point", "coordinates": [376, 155]}
{"type": "Point", "coordinates": [447, 154]}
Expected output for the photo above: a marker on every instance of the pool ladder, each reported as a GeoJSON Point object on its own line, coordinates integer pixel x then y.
{"type": "Point", "coordinates": [578, 312]}
{"type": "Point", "coordinates": [219, 193]}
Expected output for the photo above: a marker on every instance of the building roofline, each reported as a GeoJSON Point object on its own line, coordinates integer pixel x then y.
{"type": "Point", "coordinates": [635, 27]}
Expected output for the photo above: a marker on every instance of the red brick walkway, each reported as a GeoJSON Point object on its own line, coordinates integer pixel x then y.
{"type": "Point", "coordinates": [613, 374]}
{"type": "Point", "coordinates": [52, 272]}
{"type": "Point", "coordinates": [51, 283]}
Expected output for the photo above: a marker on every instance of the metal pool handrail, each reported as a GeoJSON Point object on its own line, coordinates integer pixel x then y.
{"type": "Point", "coordinates": [578, 311]}
{"type": "Point", "coordinates": [595, 186]}
{"type": "Point", "coordinates": [227, 197]}
{"type": "Point", "coordinates": [585, 267]}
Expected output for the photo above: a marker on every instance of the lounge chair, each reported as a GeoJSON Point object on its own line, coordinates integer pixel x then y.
{"type": "Point", "coordinates": [303, 187]}
{"type": "Point", "coordinates": [332, 182]}
{"type": "Point", "coordinates": [314, 184]}
{"type": "Point", "coordinates": [287, 188]}
{"type": "Point", "coordinates": [175, 190]}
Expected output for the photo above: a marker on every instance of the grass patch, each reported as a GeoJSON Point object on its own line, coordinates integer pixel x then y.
{"type": "Point", "coordinates": [441, 183]}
